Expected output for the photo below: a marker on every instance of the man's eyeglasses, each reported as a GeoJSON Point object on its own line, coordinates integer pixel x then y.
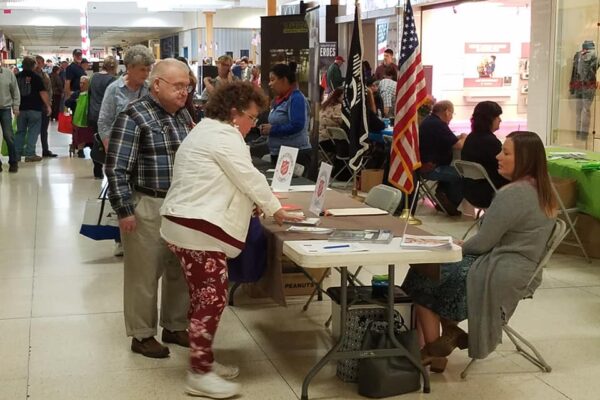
{"type": "Point", "coordinates": [179, 87]}
{"type": "Point", "coordinates": [252, 117]}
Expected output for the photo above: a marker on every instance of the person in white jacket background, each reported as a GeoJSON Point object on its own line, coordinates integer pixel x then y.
{"type": "Point", "coordinates": [206, 215]}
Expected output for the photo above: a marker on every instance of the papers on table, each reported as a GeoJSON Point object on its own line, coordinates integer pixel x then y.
{"type": "Point", "coordinates": [302, 188]}
{"type": "Point", "coordinates": [426, 242]}
{"type": "Point", "coordinates": [347, 212]}
{"type": "Point", "coordinates": [296, 214]}
{"type": "Point", "coordinates": [310, 229]}
{"type": "Point", "coordinates": [307, 221]}
{"type": "Point", "coordinates": [333, 247]}
{"type": "Point", "coordinates": [298, 188]}
{"type": "Point", "coordinates": [574, 155]}
{"type": "Point", "coordinates": [381, 236]}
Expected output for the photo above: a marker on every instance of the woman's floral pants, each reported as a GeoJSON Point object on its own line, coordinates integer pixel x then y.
{"type": "Point", "coordinates": [206, 276]}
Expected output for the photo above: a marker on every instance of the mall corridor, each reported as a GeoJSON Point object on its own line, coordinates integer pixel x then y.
{"type": "Point", "coordinates": [62, 333]}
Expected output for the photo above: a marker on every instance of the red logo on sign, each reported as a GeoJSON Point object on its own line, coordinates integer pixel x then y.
{"type": "Point", "coordinates": [285, 167]}
{"type": "Point", "coordinates": [321, 187]}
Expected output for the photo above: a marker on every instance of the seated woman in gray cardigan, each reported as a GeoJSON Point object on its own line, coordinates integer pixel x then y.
{"type": "Point", "coordinates": [498, 261]}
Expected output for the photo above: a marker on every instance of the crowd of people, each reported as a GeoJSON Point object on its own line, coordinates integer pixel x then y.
{"type": "Point", "coordinates": [184, 190]}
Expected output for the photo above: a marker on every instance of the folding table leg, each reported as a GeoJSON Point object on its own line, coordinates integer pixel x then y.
{"type": "Point", "coordinates": [329, 356]}
{"type": "Point", "coordinates": [570, 223]}
{"type": "Point", "coordinates": [234, 287]}
{"type": "Point", "coordinates": [318, 290]}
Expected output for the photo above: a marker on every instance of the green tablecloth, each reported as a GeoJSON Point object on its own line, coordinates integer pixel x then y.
{"type": "Point", "coordinates": [588, 182]}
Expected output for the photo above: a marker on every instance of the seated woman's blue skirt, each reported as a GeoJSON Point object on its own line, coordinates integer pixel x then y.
{"type": "Point", "coordinates": [448, 297]}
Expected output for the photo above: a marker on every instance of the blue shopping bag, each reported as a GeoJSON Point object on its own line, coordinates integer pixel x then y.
{"type": "Point", "coordinates": [251, 264]}
{"type": "Point", "coordinates": [100, 222]}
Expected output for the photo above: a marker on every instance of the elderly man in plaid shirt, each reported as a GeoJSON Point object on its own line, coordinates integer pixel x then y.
{"type": "Point", "coordinates": [139, 167]}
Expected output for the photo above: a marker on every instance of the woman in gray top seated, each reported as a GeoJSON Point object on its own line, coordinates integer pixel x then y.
{"type": "Point", "coordinates": [498, 261]}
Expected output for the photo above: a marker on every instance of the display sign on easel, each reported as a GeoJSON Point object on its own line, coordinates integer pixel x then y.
{"type": "Point", "coordinates": [318, 198]}
{"type": "Point", "coordinates": [284, 170]}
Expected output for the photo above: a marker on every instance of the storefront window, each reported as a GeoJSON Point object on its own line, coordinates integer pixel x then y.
{"type": "Point", "coordinates": [575, 109]}
{"type": "Point", "coordinates": [479, 51]}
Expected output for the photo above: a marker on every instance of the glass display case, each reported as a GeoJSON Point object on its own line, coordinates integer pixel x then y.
{"type": "Point", "coordinates": [575, 109]}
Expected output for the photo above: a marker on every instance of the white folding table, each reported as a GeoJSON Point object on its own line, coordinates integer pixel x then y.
{"type": "Point", "coordinates": [377, 254]}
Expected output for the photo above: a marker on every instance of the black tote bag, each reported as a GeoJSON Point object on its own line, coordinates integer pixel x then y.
{"type": "Point", "coordinates": [390, 376]}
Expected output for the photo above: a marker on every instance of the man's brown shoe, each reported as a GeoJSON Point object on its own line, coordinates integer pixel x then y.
{"type": "Point", "coordinates": [181, 338]}
{"type": "Point", "coordinates": [149, 347]}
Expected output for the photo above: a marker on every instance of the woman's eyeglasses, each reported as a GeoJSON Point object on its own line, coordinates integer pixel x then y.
{"type": "Point", "coordinates": [179, 87]}
{"type": "Point", "coordinates": [252, 117]}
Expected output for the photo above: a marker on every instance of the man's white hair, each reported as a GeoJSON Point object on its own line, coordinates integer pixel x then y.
{"type": "Point", "coordinates": [161, 69]}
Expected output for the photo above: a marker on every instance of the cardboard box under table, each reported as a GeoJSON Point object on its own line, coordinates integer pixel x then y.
{"type": "Point", "coordinates": [586, 195]}
{"type": "Point", "coordinates": [588, 182]}
{"type": "Point", "coordinates": [296, 281]}
{"type": "Point", "coordinates": [376, 254]}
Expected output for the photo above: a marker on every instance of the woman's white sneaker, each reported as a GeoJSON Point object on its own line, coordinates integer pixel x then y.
{"type": "Point", "coordinates": [225, 371]}
{"type": "Point", "coordinates": [210, 385]}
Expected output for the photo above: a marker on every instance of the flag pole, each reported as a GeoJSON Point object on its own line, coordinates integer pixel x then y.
{"type": "Point", "coordinates": [406, 212]}
{"type": "Point", "coordinates": [354, 172]}
{"type": "Point", "coordinates": [407, 216]}
{"type": "Point", "coordinates": [354, 185]}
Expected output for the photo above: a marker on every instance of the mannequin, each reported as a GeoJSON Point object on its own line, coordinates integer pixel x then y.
{"type": "Point", "coordinates": [583, 86]}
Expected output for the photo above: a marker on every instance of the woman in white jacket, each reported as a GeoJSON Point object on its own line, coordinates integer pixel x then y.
{"type": "Point", "coordinates": [206, 215]}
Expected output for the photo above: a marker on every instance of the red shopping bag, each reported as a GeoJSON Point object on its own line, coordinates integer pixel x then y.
{"type": "Point", "coordinates": [65, 123]}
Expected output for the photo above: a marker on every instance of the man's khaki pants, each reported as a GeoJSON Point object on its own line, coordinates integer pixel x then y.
{"type": "Point", "coordinates": [147, 259]}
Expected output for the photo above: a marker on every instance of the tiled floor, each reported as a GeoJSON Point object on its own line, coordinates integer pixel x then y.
{"type": "Point", "coordinates": [62, 334]}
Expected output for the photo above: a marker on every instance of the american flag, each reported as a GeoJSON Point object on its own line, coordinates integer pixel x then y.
{"type": "Point", "coordinates": [410, 95]}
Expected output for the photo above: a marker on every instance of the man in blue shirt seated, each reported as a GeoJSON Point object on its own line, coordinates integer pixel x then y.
{"type": "Point", "coordinates": [436, 144]}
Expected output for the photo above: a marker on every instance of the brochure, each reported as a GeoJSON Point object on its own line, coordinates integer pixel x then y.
{"type": "Point", "coordinates": [307, 221]}
{"type": "Point", "coordinates": [426, 242]}
{"type": "Point", "coordinates": [309, 229]}
{"type": "Point", "coordinates": [348, 212]}
{"type": "Point", "coordinates": [381, 236]}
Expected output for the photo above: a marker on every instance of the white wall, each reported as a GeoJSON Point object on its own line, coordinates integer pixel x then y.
{"type": "Point", "coordinates": [444, 34]}
{"type": "Point", "coordinates": [239, 18]}
{"type": "Point", "coordinates": [71, 18]}
{"type": "Point", "coordinates": [541, 77]}
{"type": "Point", "coordinates": [226, 18]}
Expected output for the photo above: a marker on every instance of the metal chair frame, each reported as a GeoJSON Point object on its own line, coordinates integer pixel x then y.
{"type": "Point", "coordinates": [425, 190]}
{"type": "Point", "coordinates": [566, 213]}
{"type": "Point", "coordinates": [340, 134]}
{"type": "Point", "coordinates": [322, 153]}
{"type": "Point", "coordinates": [558, 234]}
{"type": "Point", "coordinates": [475, 171]}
